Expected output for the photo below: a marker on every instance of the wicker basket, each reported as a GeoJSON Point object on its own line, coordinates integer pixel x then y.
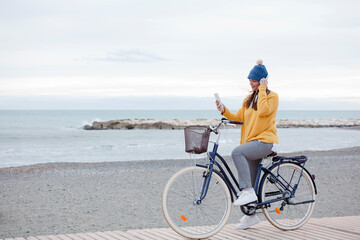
{"type": "Point", "coordinates": [196, 139]}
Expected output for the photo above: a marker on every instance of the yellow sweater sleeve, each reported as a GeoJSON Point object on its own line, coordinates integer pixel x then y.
{"type": "Point", "coordinates": [267, 104]}
{"type": "Point", "coordinates": [239, 116]}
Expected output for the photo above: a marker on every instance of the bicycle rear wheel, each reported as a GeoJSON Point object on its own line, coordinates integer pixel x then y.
{"type": "Point", "coordinates": [189, 218]}
{"type": "Point", "coordinates": [294, 211]}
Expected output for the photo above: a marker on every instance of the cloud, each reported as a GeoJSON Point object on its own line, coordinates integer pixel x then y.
{"type": "Point", "coordinates": [128, 56]}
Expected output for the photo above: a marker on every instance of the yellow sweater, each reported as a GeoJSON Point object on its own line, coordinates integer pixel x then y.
{"type": "Point", "coordinates": [260, 124]}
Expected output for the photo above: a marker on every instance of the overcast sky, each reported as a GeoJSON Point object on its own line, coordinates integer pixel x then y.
{"type": "Point", "coordinates": [172, 54]}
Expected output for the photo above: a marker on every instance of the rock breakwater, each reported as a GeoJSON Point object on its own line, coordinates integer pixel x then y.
{"type": "Point", "coordinates": [180, 124]}
{"type": "Point", "coordinates": [318, 123]}
{"type": "Point", "coordinates": [148, 124]}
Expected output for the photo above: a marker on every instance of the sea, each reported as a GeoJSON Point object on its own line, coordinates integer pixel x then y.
{"type": "Point", "coordinates": [30, 137]}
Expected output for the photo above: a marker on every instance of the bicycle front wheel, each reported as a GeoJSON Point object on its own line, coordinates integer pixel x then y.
{"type": "Point", "coordinates": [185, 214]}
{"type": "Point", "coordinates": [297, 206]}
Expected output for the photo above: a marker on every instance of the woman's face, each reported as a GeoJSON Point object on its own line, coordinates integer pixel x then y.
{"type": "Point", "coordinates": [254, 84]}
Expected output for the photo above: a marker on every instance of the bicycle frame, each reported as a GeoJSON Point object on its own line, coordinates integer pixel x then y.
{"type": "Point", "coordinates": [212, 155]}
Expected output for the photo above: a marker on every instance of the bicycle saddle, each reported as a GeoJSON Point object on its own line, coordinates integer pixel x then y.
{"type": "Point", "coordinates": [272, 154]}
{"type": "Point", "coordinates": [299, 159]}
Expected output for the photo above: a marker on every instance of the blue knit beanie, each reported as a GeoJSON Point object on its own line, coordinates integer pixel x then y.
{"type": "Point", "coordinates": [258, 72]}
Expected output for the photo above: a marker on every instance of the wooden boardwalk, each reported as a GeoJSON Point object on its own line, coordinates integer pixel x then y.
{"type": "Point", "coordinates": [316, 228]}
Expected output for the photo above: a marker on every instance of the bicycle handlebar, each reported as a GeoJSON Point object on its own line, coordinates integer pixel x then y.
{"type": "Point", "coordinates": [223, 121]}
{"type": "Point", "coordinates": [226, 121]}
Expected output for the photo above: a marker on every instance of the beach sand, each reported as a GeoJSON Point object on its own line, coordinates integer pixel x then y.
{"type": "Point", "coordinates": [65, 198]}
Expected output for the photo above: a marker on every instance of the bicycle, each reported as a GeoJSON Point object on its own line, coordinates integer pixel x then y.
{"type": "Point", "coordinates": [197, 200]}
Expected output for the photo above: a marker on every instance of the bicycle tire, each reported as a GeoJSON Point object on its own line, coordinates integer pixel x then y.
{"type": "Point", "coordinates": [191, 220]}
{"type": "Point", "coordinates": [291, 216]}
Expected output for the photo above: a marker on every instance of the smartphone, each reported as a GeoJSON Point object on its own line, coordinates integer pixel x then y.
{"type": "Point", "coordinates": [218, 98]}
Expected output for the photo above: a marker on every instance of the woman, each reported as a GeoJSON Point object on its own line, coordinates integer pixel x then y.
{"type": "Point", "coordinates": [258, 135]}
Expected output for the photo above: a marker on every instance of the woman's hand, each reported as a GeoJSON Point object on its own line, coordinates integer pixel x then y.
{"type": "Point", "coordinates": [220, 107]}
{"type": "Point", "coordinates": [263, 81]}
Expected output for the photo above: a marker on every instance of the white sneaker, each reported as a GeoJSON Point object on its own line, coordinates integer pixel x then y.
{"type": "Point", "coordinates": [247, 221]}
{"type": "Point", "coordinates": [246, 197]}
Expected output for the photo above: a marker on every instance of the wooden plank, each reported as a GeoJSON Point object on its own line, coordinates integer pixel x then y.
{"type": "Point", "coordinates": [94, 236]}
{"type": "Point", "coordinates": [84, 236]}
{"type": "Point", "coordinates": [105, 236]}
{"type": "Point", "coordinates": [52, 237]}
{"type": "Point", "coordinates": [225, 234]}
{"type": "Point", "coordinates": [219, 236]}
{"type": "Point", "coordinates": [126, 235]}
{"type": "Point", "coordinates": [267, 231]}
{"type": "Point", "coordinates": [256, 233]}
{"type": "Point", "coordinates": [63, 237]}
{"type": "Point", "coordinates": [160, 235]}
{"type": "Point", "coordinates": [73, 236]}
{"type": "Point", "coordinates": [42, 238]}
{"type": "Point", "coordinates": [349, 224]}
{"type": "Point", "coordinates": [299, 234]}
{"type": "Point", "coordinates": [169, 233]}
{"type": "Point", "coordinates": [116, 236]}
{"type": "Point", "coordinates": [238, 233]}
{"type": "Point", "coordinates": [326, 232]}
{"type": "Point", "coordinates": [141, 235]}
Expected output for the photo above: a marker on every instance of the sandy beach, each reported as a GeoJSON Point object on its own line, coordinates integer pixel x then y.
{"type": "Point", "coordinates": [67, 198]}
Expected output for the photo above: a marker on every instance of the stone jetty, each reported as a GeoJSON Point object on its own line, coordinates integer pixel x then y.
{"type": "Point", "coordinates": [180, 124]}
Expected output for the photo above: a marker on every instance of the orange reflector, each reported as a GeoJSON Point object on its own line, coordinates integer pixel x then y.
{"type": "Point", "coordinates": [277, 210]}
{"type": "Point", "coordinates": [183, 218]}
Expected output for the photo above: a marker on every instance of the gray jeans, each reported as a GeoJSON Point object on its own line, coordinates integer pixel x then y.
{"type": "Point", "coordinates": [247, 158]}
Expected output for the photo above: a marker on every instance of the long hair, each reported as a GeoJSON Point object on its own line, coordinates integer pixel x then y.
{"type": "Point", "coordinates": [253, 98]}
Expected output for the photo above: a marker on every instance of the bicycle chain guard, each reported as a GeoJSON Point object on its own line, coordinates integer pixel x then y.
{"type": "Point", "coordinates": [248, 209]}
